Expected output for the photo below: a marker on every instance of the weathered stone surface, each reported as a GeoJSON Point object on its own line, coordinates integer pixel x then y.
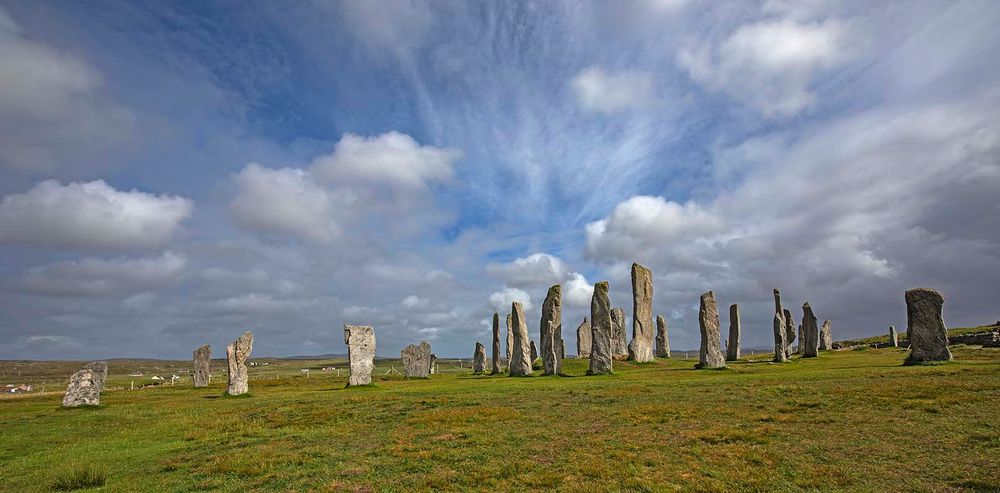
{"type": "Point", "coordinates": [360, 340]}
{"type": "Point", "coordinates": [925, 326]}
{"type": "Point", "coordinates": [85, 386]}
{"type": "Point", "coordinates": [643, 331]}
{"type": "Point", "coordinates": [551, 332]}
{"type": "Point", "coordinates": [433, 368]}
{"type": "Point", "coordinates": [600, 331]}
{"type": "Point", "coordinates": [780, 347]}
{"type": "Point", "coordinates": [583, 339]}
{"type": "Point", "coordinates": [790, 331]}
{"type": "Point", "coordinates": [496, 344]}
{"type": "Point", "coordinates": [777, 302]}
{"type": "Point", "coordinates": [416, 360]}
{"type": "Point", "coordinates": [510, 341]}
{"type": "Point", "coordinates": [237, 354]}
{"type": "Point", "coordinates": [710, 355]}
{"type": "Point", "coordinates": [562, 350]}
{"type": "Point", "coordinates": [479, 359]}
{"type": "Point", "coordinates": [810, 333]}
{"type": "Point", "coordinates": [893, 337]}
{"type": "Point", "coordinates": [520, 361]}
{"type": "Point", "coordinates": [825, 337]}
{"type": "Point", "coordinates": [798, 349]}
{"type": "Point", "coordinates": [201, 359]}
{"type": "Point", "coordinates": [533, 349]}
{"type": "Point", "coordinates": [619, 347]}
{"type": "Point", "coordinates": [733, 343]}
{"type": "Point", "coordinates": [662, 338]}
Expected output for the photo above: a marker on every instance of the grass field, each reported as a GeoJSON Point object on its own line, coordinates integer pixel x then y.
{"type": "Point", "coordinates": [849, 420]}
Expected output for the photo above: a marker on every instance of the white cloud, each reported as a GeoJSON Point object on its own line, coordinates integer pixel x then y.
{"type": "Point", "coordinates": [93, 276]}
{"type": "Point", "coordinates": [283, 201]}
{"type": "Point", "coordinates": [91, 216]}
{"type": "Point", "coordinates": [645, 223]}
{"type": "Point", "coordinates": [392, 158]}
{"type": "Point", "coordinates": [577, 291]}
{"type": "Point", "coordinates": [538, 269]}
{"type": "Point", "coordinates": [394, 26]}
{"type": "Point", "coordinates": [501, 300]}
{"type": "Point", "coordinates": [414, 301]}
{"type": "Point", "coordinates": [602, 92]}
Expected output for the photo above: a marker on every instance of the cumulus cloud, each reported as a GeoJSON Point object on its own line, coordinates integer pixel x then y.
{"type": "Point", "coordinates": [282, 201]}
{"type": "Point", "coordinates": [645, 223]}
{"type": "Point", "coordinates": [392, 158]}
{"type": "Point", "coordinates": [538, 269]}
{"type": "Point", "coordinates": [92, 216]}
{"type": "Point", "coordinates": [599, 91]}
{"type": "Point", "coordinates": [501, 300]}
{"type": "Point", "coordinates": [93, 276]}
{"type": "Point", "coordinates": [577, 292]}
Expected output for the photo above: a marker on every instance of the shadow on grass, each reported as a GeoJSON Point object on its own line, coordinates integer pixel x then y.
{"type": "Point", "coordinates": [241, 396]}
{"type": "Point", "coordinates": [80, 409]}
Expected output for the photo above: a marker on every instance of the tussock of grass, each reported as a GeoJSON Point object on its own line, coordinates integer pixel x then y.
{"type": "Point", "coordinates": [79, 479]}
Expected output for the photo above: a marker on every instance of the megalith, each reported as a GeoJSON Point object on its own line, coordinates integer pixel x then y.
{"type": "Point", "coordinates": [925, 326]}
{"type": "Point", "coordinates": [710, 355]}
{"type": "Point", "coordinates": [551, 333]}
{"type": "Point", "coordinates": [520, 361]}
{"type": "Point", "coordinates": [416, 360]}
{"type": "Point", "coordinates": [619, 346]}
{"type": "Point", "coordinates": [510, 341]}
{"type": "Point", "coordinates": [643, 330]}
{"type": "Point", "coordinates": [533, 349]}
{"type": "Point", "coordinates": [600, 331]}
{"type": "Point", "coordinates": [237, 354]}
{"type": "Point", "coordinates": [780, 347]}
{"type": "Point", "coordinates": [201, 359]}
{"type": "Point", "coordinates": [583, 339]}
{"type": "Point", "coordinates": [790, 332]}
{"type": "Point", "coordinates": [85, 385]}
{"type": "Point", "coordinates": [733, 343]}
{"type": "Point", "coordinates": [893, 337]}
{"type": "Point", "coordinates": [360, 340]}
{"type": "Point", "coordinates": [662, 338]}
{"type": "Point", "coordinates": [479, 359]}
{"type": "Point", "coordinates": [433, 366]}
{"type": "Point", "coordinates": [496, 343]}
{"type": "Point", "coordinates": [810, 333]}
{"type": "Point", "coordinates": [825, 337]}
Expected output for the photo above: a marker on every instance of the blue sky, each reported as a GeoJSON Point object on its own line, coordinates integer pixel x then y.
{"type": "Point", "coordinates": [173, 173]}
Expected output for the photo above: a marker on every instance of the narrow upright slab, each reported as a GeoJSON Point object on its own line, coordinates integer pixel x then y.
{"type": "Point", "coordinates": [496, 343]}
{"type": "Point", "coordinates": [710, 355]}
{"type": "Point", "coordinates": [600, 331]}
{"type": "Point", "coordinates": [583, 339]}
{"type": "Point", "coordinates": [551, 333]}
{"type": "Point", "coordinates": [201, 359]}
{"type": "Point", "coordinates": [433, 366]}
{"type": "Point", "coordinates": [825, 337]}
{"type": "Point", "coordinates": [416, 360]}
{"type": "Point", "coordinates": [810, 333]}
{"type": "Point", "coordinates": [733, 344]}
{"type": "Point", "coordinates": [85, 386]}
{"type": "Point", "coordinates": [893, 337]}
{"type": "Point", "coordinates": [925, 326]}
{"type": "Point", "coordinates": [237, 354]}
{"type": "Point", "coordinates": [520, 361]}
{"type": "Point", "coordinates": [360, 340]}
{"type": "Point", "coordinates": [802, 343]}
{"type": "Point", "coordinates": [643, 330]}
{"type": "Point", "coordinates": [777, 302]}
{"type": "Point", "coordinates": [533, 349]}
{"type": "Point", "coordinates": [510, 341]}
{"type": "Point", "coordinates": [479, 359]}
{"type": "Point", "coordinates": [662, 338]}
{"type": "Point", "coordinates": [619, 346]}
{"type": "Point", "coordinates": [790, 332]}
{"type": "Point", "coordinates": [780, 347]}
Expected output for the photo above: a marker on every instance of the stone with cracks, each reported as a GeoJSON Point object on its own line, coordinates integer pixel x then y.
{"type": "Point", "coordinates": [640, 349]}
{"type": "Point", "coordinates": [201, 359]}
{"type": "Point", "coordinates": [416, 360]}
{"type": "Point", "coordinates": [733, 343]}
{"type": "Point", "coordinates": [790, 332]}
{"type": "Point", "coordinates": [237, 354]}
{"type": "Point", "coordinates": [85, 386]}
{"type": "Point", "coordinates": [496, 344]}
{"type": "Point", "coordinates": [551, 332]}
{"type": "Point", "coordinates": [583, 339]}
{"type": "Point", "coordinates": [810, 333]}
{"type": "Point", "coordinates": [710, 355]}
{"type": "Point", "coordinates": [780, 347]}
{"type": "Point", "coordinates": [928, 336]}
{"type": "Point", "coordinates": [600, 331]}
{"type": "Point", "coordinates": [510, 340]}
{"type": "Point", "coordinates": [662, 338]}
{"type": "Point", "coordinates": [893, 337]}
{"type": "Point", "coordinates": [360, 340]}
{"type": "Point", "coordinates": [479, 359]}
{"type": "Point", "coordinates": [825, 337]}
{"type": "Point", "coordinates": [619, 347]}
{"type": "Point", "coordinates": [520, 361]}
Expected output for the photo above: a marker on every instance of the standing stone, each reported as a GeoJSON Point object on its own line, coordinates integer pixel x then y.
{"type": "Point", "coordinates": [777, 301]}
{"type": "Point", "coordinates": [533, 350]}
{"type": "Point", "coordinates": [416, 360]}
{"type": "Point", "coordinates": [237, 354]}
{"type": "Point", "coordinates": [662, 339]}
{"type": "Point", "coordinates": [550, 329]}
{"type": "Point", "coordinates": [619, 347]}
{"type": "Point", "coordinates": [201, 358]}
{"type": "Point", "coordinates": [583, 339]}
{"type": "Point", "coordinates": [433, 366]}
{"type": "Point", "coordinates": [802, 343]}
{"type": "Point", "coordinates": [520, 362]}
{"type": "Point", "coordinates": [360, 340]}
{"type": "Point", "coordinates": [496, 343]}
{"type": "Point", "coordinates": [733, 344]}
{"type": "Point", "coordinates": [510, 341]}
{"type": "Point", "coordinates": [810, 333]}
{"type": "Point", "coordinates": [780, 347]}
{"type": "Point", "coordinates": [710, 355]}
{"type": "Point", "coordinates": [825, 337]}
{"type": "Point", "coordinates": [479, 359]}
{"type": "Point", "coordinates": [562, 350]}
{"type": "Point", "coordinates": [600, 331]}
{"type": "Point", "coordinates": [643, 330]}
{"type": "Point", "coordinates": [925, 326]}
{"type": "Point", "coordinates": [893, 337]}
{"type": "Point", "coordinates": [790, 332]}
{"type": "Point", "coordinates": [85, 386]}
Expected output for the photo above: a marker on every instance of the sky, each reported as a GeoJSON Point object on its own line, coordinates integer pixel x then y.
{"type": "Point", "coordinates": [174, 173]}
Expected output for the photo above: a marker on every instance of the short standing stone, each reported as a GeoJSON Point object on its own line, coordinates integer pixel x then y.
{"type": "Point", "coordinates": [802, 343]}
{"type": "Point", "coordinates": [662, 338]}
{"type": "Point", "coordinates": [85, 386]}
{"type": "Point", "coordinates": [893, 337]}
{"type": "Point", "coordinates": [510, 341]}
{"type": "Point", "coordinates": [520, 361]}
{"type": "Point", "coordinates": [733, 344]}
{"type": "Point", "coordinates": [600, 331]}
{"type": "Point", "coordinates": [643, 331]}
{"type": "Point", "coordinates": [533, 349]}
{"type": "Point", "coordinates": [619, 346]}
{"type": "Point", "coordinates": [433, 368]}
{"type": "Point", "coordinates": [925, 326]}
{"type": "Point", "coordinates": [201, 358]}
{"type": "Point", "coordinates": [417, 360]}
{"type": "Point", "coordinates": [496, 343]}
{"type": "Point", "coordinates": [551, 332]}
{"type": "Point", "coordinates": [479, 359]}
{"type": "Point", "coordinates": [790, 332]}
{"type": "Point", "coordinates": [360, 340]}
{"type": "Point", "coordinates": [825, 337]}
{"type": "Point", "coordinates": [237, 354]}
{"type": "Point", "coordinates": [710, 355]}
{"type": "Point", "coordinates": [810, 333]}
{"type": "Point", "coordinates": [583, 339]}
{"type": "Point", "coordinates": [780, 348]}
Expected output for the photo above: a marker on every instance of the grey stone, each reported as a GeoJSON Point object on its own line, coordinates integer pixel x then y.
{"type": "Point", "coordinates": [201, 359]}
{"type": "Point", "coordinates": [798, 349]}
{"type": "Point", "coordinates": [780, 347]}
{"type": "Point", "coordinates": [777, 302]}
{"type": "Point", "coordinates": [790, 331]}
{"type": "Point", "coordinates": [810, 333]}
{"type": "Point", "coordinates": [733, 343]}
{"type": "Point", "coordinates": [433, 367]}
{"type": "Point", "coordinates": [551, 332]}
{"type": "Point", "coordinates": [643, 330]}
{"type": "Point", "coordinates": [510, 341]}
{"type": "Point", "coordinates": [237, 354]}
{"type": "Point", "coordinates": [360, 340]}
{"type": "Point", "coordinates": [496, 344]}
{"type": "Point", "coordinates": [893, 337]}
{"type": "Point", "coordinates": [479, 359]}
{"type": "Point", "coordinates": [662, 338]}
{"type": "Point", "coordinates": [925, 326]}
{"type": "Point", "coordinates": [583, 339]}
{"type": "Point", "coordinates": [601, 360]}
{"type": "Point", "coordinates": [619, 347]}
{"type": "Point", "coordinates": [520, 361]}
{"type": "Point", "coordinates": [825, 337]}
{"type": "Point", "coordinates": [85, 386]}
{"type": "Point", "coordinates": [710, 355]}
{"type": "Point", "coordinates": [416, 360]}
{"type": "Point", "coordinates": [562, 350]}
{"type": "Point", "coordinates": [534, 351]}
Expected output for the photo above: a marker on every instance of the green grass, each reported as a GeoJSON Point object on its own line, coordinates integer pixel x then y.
{"type": "Point", "coordinates": [902, 335]}
{"type": "Point", "coordinates": [848, 420]}
{"type": "Point", "coordinates": [79, 478]}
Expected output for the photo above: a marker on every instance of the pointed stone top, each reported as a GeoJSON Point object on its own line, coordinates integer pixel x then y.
{"type": "Point", "coordinates": [917, 294]}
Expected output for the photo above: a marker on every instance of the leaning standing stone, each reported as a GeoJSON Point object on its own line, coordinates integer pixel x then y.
{"type": "Point", "coordinates": [825, 337]}
{"type": "Point", "coordinates": [780, 348]}
{"type": "Point", "coordinates": [551, 332]}
{"type": "Point", "coordinates": [893, 337]}
{"type": "Point", "coordinates": [360, 340]}
{"type": "Point", "coordinates": [733, 344]}
{"type": "Point", "coordinates": [662, 339]}
{"type": "Point", "coordinates": [619, 347]}
{"type": "Point", "coordinates": [643, 330]}
{"type": "Point", "coordinates": [600, 331]}
{"type": "Point", "coordinates": [810, 333]}
{"type": "Point", "coordinates": [583, 339]}
{"type": "Point", "coordinates": [710, 355]}
{"type": "Point", "coordinates": [520, 361]}
{"type": "Point", "coordinates": [496, 343]}
{"type": "Point", "coordinates": [201, 359]}
{"type": "Point", "coordinates": [237, 354]}
{"type": "Point", "coordinates": [85, 386]}
{"type": "Point", "coordinates": [479, 359]}
{"type": "Point", "coordinates": [925, 326]}
{"type": "Point", "coordinates": [417, 360]}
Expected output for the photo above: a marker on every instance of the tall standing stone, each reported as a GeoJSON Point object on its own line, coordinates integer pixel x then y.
{"type": "Point", "coordinates": [417, 360]}
{"type": "Point", "coordinates": [619, 346]}
{"type": "Point", "coordinates": [600, 331]}
{"type": "Point", "coordinates": [550, 329]}
{"type": "Point", "coordinates": [925, 326]}
{"type": "Point", "coordinates": [790, 332]}
{"type": "Point", "coordinates": [780, 347]}
{"type": "Point", "coordinates": [583, 339]}
{"type": "Point", "coordinates": [662, 338]}
{"type": "Point", "coordinates": [360, 340]}
{"type": "Point", "coordinates": [496, 343]}
{"type": "Point", "coordinates": [710, 355]}
{"type": "Point", "coordinates": [893, 337]}
{"type": "Point", "coordinates": [810, 333]}
{"type": "Point", "coordinates": [643, 330]}
{"type": "Point", "coordinates": [510, 341]}
{"type": "Point", "coordinates": [520, 361]}
{"type": "Point", "coordinates": [237, 354]}
{"type": "Point", "coordinates": [825, 337]}
{"type": "Point", "coordinates": [201, 358]}
{"type": "Point", "coordinates": [733, 344]}
{"type": "Point", "coordinates": [479, 359]}
{"type": "Point", "coordinates": [85, 386]}
{"type": "Point", "coordinates": [802, 340]}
